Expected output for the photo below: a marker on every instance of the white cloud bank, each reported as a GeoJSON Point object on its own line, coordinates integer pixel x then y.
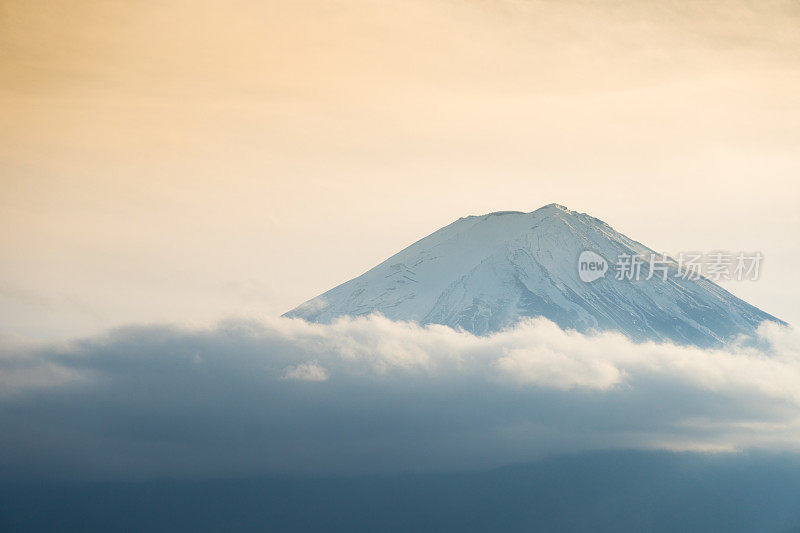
{"type": "Point", "coordinates": [369, 394]}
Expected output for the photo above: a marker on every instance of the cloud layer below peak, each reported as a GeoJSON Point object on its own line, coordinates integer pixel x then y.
{"type": "Point", "coordinates": [369, 395]}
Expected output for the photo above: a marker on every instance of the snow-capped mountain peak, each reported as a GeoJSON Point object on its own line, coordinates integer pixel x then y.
{"type": "Point", "coordinates": [483, 273]}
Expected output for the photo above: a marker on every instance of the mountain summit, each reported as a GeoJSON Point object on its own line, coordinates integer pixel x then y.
{"type": "Point", "coordinates": [484, 273]}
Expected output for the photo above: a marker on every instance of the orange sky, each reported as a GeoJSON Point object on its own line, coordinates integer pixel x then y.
{"type": "Point", "coordinates": [185, 161]}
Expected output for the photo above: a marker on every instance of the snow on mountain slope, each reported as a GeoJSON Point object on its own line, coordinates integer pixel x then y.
{"type": "Point", "coordinates": [484, 273]}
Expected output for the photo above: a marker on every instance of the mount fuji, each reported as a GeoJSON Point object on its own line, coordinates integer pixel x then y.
{"type": "Point", "coordinates": [485, 273]}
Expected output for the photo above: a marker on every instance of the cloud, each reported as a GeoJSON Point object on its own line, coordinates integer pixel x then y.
{"type": "Point", "coordinates": [369, 394]}
{"type": "Point", "coordinates": [306, 372]}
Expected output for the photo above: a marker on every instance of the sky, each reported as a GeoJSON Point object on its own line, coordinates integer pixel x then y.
{"type": "Point", "coordinates": [175, 175]}
{"type": "Point", "coordinates": [187, 162]}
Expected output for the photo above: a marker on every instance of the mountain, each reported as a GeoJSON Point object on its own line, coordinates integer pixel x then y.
{"type": "Point", "coordinates": [484, 273]}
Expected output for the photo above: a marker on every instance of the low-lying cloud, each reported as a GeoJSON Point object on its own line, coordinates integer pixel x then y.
{"type": "Point", "coordinates": [369, 394]}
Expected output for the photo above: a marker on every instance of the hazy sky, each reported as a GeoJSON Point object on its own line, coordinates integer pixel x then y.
{"type": "Point", "coordinates": [185, 161]}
